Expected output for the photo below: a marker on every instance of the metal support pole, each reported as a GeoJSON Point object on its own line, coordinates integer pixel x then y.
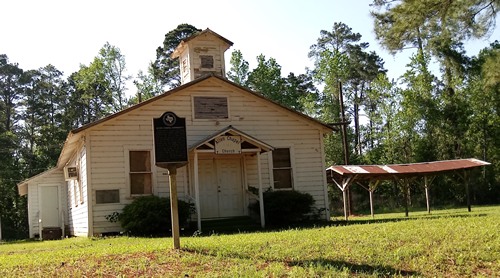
{"type": "Point", "coordinates": [466, 181]}
{"type": "Point", "coordinates": [197, 191]}
{"type": "Point", "coordinates": [371, 203]}
{"type": "Point", "coordinates": [261, 194]}
{"type": "Point", "coordinates": [426, 185]}
{"type": "Point", "coordinates": [344, 196]}
{"type": "Point", "coordinates": [172, 178]}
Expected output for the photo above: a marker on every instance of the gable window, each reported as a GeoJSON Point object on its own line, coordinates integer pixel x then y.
{"type": "Point", "coordinates": [140, 172]}
{"type": "Point", "coordinates": [207, 61]}
{"type": "Point", "coordinates": [210, 108]}
{"type": "Point", "coordinates": [282, 169]}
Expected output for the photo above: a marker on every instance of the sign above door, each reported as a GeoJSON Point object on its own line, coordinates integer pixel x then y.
{"type": "Point", "coordinates": [228, 144]}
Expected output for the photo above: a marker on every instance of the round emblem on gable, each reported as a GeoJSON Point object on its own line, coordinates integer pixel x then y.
{"type": "Point", "coordinates": [169, 119]}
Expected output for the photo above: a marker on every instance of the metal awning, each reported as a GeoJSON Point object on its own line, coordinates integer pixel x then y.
{"type": "Point", "coordinates": [389, 172]}
{"type": "Point", "coordinates": [344, 175]}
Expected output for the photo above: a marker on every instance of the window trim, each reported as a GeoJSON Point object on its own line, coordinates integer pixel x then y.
{"type": "Point", "coordinates": [292, 168]}
{"type": "Point", "coordinates": [127, 150]}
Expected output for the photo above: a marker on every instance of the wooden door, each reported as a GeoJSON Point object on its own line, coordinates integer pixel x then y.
{"type": "Point", "coordinates": [49, 207]}
{"type": "Point", "coordinates": [230, 187]}
{"type": "Point", "coordinates": [209, 199]}
{"type": "Point", "coordinates": [221, 188]}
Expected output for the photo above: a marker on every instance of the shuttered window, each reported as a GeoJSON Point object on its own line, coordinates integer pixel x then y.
{"type": "Point", "coordinates": [207, 61]}
{"type": "Point", "coordinates": [140, 172]}
{"type": "Point", "coordinates": [282, 169]}
{"type": "Point", "coordinates": [210, 108]}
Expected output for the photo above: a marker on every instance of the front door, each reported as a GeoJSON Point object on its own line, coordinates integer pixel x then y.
{"type": "Point", "coordinates": [49, 206]}
{"type": "Point", "coordinates": [221, 188]}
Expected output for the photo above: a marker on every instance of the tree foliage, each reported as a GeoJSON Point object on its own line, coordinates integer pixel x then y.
{"type": "Point", "coordinates": [165, 68]}
{"type": "Point", "coordinates": [239, 70]}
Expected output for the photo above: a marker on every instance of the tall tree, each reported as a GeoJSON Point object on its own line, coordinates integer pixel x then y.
{"type": "Point", "coordinates": [43, 128]}
{"type": "Point", "coordinates": [438, 27]}
{"type": "Point", "coordinates": [114, 67]}
{"type": "Point", "coordinates": [147, 86]}
{"type": "Point", "coordinates": [266, 79]}
{"type": "Point", "coordinates": [341, 59]}
{"type": "Point", "coordinates": [164, 67]}
{"type": "Point", "coordinates": [12, 207]}
{"type": "Point", "coordinates": [483, 130]}
{"type": "Point", "coordinates": [239, 71]}
{"type": "Point", "coordinates": [92, 91]}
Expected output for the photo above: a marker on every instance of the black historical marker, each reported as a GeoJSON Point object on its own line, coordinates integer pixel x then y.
{"type": "Point", "coordinates": [170, 140]}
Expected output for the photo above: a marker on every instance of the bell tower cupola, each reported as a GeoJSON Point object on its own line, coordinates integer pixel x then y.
{"type": "Point", "coordinates": [201, 54]}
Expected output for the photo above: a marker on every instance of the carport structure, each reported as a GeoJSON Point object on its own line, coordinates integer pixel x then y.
{"type": "Point", "coordinates": [345, 175]}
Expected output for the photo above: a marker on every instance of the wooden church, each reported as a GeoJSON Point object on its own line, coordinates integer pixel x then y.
{"type": "Point", "coordinates": [237, 140]}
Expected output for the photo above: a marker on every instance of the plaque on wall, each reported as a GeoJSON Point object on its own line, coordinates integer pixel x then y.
{"type": "Point", "coordinates": [170, 140]}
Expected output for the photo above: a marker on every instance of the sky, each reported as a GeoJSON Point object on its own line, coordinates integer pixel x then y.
{"type": "Point", "coordinates": [67, 33]}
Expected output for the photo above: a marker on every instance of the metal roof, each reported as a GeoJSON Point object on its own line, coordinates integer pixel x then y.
{"type": "Point", "coordinates": [401, 170]}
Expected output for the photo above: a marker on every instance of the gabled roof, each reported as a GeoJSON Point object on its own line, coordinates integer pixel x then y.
{"type": "Point", "coordinates": [75, 135]}
{"type": "Point", "coordinates": [22, 187]}
{"type": "Point", "coordinates": [183, 42]}
{"type": "Point", "coordinates": [247, 140]}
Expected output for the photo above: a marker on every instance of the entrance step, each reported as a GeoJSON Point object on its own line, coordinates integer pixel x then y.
{"type": "Point", "coordinates": [230, 225]}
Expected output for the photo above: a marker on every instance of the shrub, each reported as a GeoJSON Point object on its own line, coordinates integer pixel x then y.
{"type": "Point", "coordinates": [284, 207]}
{"type": "Point", "coordinates": [150, 216]}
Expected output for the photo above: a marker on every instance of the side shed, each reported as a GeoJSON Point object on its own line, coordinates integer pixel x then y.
{"type": "Point", "coordinates": [345, 175]}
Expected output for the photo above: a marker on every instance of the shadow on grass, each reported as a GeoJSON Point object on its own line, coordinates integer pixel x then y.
{"type": "Point", "coordinates": [398, 219]}
{"type": "Point", "coordinates": [321, 264]}
{"type": "Point", "coordinates": [317, 224]}
{"type": "Point", "coordinates": [378, 270]}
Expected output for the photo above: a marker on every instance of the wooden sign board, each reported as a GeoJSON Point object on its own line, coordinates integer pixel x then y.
{"type": "Point", "coordinates": [228, 145]}
{"type": "Point", "coordinates": [170, 140]}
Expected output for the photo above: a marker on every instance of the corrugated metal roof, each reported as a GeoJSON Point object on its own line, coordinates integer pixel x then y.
{"type": "Point", "coordinates": [411, 169]}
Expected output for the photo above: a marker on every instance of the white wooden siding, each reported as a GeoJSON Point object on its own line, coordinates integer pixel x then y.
{"type": "Point", "coordinates": [258, 118]}
{"type": "Point", "coordinates": [55, 177]}
{"type": "Point", "coordinates": [78, 208]}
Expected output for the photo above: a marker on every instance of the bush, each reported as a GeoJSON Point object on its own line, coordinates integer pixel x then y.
{"type": "Point", "coordinates": [150, 216]}
{"type": "Point", "coordinates": [284, 207]}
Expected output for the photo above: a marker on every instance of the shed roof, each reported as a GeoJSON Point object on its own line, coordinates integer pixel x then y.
{"type": "Point", "coordinates": [390, 171]}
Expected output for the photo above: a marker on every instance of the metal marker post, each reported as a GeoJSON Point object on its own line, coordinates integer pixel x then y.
{"type": "Point", "coordinates": [172, 178]}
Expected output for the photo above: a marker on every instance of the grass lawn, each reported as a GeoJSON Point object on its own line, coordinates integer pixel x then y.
{"type": "Point", "coordinates": [447, 243]}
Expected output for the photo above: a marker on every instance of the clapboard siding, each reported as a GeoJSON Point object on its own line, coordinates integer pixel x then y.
{"type": "Point", "coordinates": [251, 114]}
{"type": "Point", "coordinates": [52, 177]}
{"type": "Point", "coordinates": [78, 206]}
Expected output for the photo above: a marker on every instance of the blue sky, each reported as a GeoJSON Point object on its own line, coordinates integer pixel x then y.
{"type": "Point", "coordinates": [68, 33]}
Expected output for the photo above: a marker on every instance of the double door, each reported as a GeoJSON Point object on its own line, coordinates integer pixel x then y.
{"type": "Point", "coordinates": [221, 187]}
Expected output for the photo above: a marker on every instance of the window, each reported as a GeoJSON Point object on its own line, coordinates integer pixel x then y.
{"type": "Point", "coordinates": [75, 190]}
{"type": "Point", "coordinates": [107, 196]}
{"type": "Point", "coordinates": [207, 61]}
{"type": "Point", "coordinates": [140, 172]}
{"type": "Point", "coordinates": [210, 108]}
{"type": "Point", "coordinates": [282, 169]}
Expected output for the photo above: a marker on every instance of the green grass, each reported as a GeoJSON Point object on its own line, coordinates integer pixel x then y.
{"type": "Point", "coordinates": [447, 243]}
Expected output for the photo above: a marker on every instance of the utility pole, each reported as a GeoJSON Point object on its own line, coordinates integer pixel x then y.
{"type": "Point", "coordinates": [345, 145]}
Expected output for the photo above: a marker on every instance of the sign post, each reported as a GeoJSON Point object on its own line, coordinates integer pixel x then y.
{"type": "Point", "coordinates": [170, 145]}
